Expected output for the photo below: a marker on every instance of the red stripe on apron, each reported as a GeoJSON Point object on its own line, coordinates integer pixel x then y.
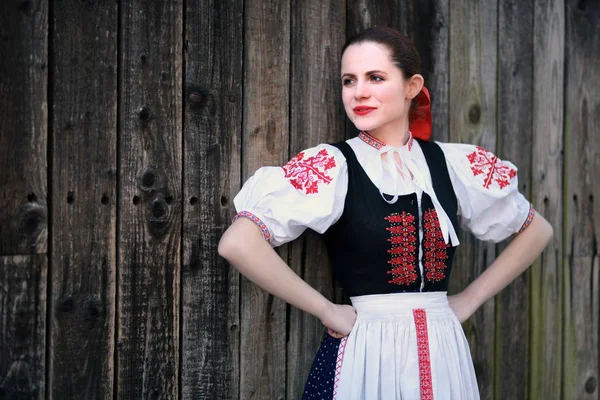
{"type": "Point", "coordinates": [423, 350]}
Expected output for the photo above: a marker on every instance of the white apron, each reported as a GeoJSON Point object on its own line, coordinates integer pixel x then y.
{"type": "Point", "coordinates": [407, 346]}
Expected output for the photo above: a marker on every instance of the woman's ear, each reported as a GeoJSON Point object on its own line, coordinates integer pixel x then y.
{"type": "Point", "coordinates": [414, 84]}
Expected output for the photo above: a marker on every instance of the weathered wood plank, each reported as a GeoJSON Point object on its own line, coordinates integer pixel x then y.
{"type": "Point", "coordinates": [23, 127]}
{"type": "Point", "coordinates": [430, 33]}
{"type": "Point", "coordinates": [472, 99]}
{"type": "Point", "coordinates": [317, 116]}
{"type": "Point", "coordinates": [546, 284]}
{"type": "Point", "coordinates": [84, 199]}
{"type": "Point", "coordinates": [150, 156]}
{"type": "Point", "coordinates": [213, 54]}
{"type": "Point", "coordinates": [23, 326]}
{"type": "Point", "coordinates": [427, 24]}
{"type": "Point", "coordinates": [363, 14]}
{"type": "Point", "coordinates": [265, 142]}
{"type": "Point", "coordinates": [582, 216]}
{"type": "Point", "coordinates": [515, 84]}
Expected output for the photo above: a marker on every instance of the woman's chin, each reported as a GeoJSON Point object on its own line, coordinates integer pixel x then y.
{"type": "Point", "coordinates": [365, 125]}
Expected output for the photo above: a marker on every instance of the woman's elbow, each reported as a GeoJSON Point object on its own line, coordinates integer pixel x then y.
{"type": "Point", "coordinates": [545, 230]}
{"type": "Point", "coordinates": [549, 232]}
{"type": "Point", "coordinates": [228, 245]}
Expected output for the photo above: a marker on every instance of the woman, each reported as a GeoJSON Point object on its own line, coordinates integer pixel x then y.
{"type": "Point", "coordinates": [389, 203]}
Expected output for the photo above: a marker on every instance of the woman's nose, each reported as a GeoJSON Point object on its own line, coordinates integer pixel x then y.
{"type": "Point", "coordinates": [361, 90]}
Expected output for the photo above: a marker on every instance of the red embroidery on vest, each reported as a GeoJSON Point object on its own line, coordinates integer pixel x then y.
{"type": "Point", "coordinates": [435, 254]}
{"type": "Point", "coordinates": [486, 163]}
{"type": "Point", "coordinates": [306, 174]}
{"type": "Point", "coordinates": [404, 246]}
{"type": "Point", "coordinates": [425, 382]}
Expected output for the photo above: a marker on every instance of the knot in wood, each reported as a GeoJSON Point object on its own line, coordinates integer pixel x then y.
{"type": "Point", "coordinates": [474, 114]}
{"type": "Point", "coordinates": [159, 216]}
{"type": "Point", "coordinates": [196, 97]}
{"type": "Point", "coordinates": [590, 385]}
{"type": "Point", "coordinates": [32, 217]}
{"type": "Point", "coordinates": [66, 304]}
{"type": "Point", "coordinates": [158, 209]}
{"type": "Point", "coordinates": [144, 113]}
{"type": "Point", "coordinates": [93, 307]}
{"type": "Point", "coordinates": [149, 180]}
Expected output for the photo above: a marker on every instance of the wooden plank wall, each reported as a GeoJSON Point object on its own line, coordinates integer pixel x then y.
{"type": "Point", "coordinates": [83, 199]}
{"type": "Point", "coordinates": [127, 127]}
{"type": "Point", "coordinates": [210, 330]}
{"type": "Point", "coordinates": [515, 101]}
{"type": "Point", "coordinates": [546, 314]}
{"type": "Point", "coordinates": [24, 198]}
{"type": "Point", "coordinates": [581, 217]}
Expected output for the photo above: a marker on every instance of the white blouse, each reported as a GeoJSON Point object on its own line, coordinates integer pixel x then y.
{"type": "Point", "coordinates": [309, 191]}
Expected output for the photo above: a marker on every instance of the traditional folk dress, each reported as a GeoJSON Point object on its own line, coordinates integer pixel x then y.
{"type": "Point", "coordinates": [390, 218]}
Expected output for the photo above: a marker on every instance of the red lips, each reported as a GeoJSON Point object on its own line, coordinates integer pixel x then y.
{"type": "Point", "coordinates": [363, 110]}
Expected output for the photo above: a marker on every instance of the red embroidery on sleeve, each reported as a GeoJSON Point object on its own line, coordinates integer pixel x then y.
{"type": "Point", "coordinates": [487, 164]}
{"type": "Point", "coordinates": [263, 228]}
{"type": "Point", "coordinates": [435, 253]}
{"type": "Point", "coordinates": [403, 251]}
{"type": "Point", "coordinates": [529, 218]}
{"type": "Point", "coordinates": [307, 174]}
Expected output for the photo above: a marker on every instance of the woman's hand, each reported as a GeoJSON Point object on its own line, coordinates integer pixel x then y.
{"type": "Point", "coordinates": [463, 306]}
{"type": "Point", "coordinates": [339, 319]}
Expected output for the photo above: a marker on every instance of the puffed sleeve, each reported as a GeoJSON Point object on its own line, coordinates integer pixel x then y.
{"type": "Point", "coordinates": [489, 202]}
{"type": "Point", "coordinates": [307, 192]}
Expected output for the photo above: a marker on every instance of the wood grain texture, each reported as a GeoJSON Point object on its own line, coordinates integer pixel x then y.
{"type": "Point", "coordinates": [436, 65]}
{"type": "Point", "coordinates": [317, 116]}
{"type": "Point", "coordinates": [582, 214]}
{"type": "Point", "coordinates": [473, 119]}
{"type": "Point", "coordinates": [546, 318]}
{"type": "Point", "coordinates": [84, 199]}
{"type": "Point", "coordinates": [363, 14]}
{"type": "Point", "coordinates": [23, 326]}
{"type": "Point", "coordinates": [515, 102]}
{"type": "Point", "coordinates": [265, 142]}
{"type": "Point", "coordinates": [23, 127]}
{"type": "Point", "coordinates": [213, 53]}
{"type": "Point", "coordinates": [150, 202]}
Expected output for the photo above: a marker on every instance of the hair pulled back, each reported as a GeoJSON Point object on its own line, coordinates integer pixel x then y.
{"type": "Point", "coordinates": [405, 56]}
{"type": "Point", "coordinates": [403, 51]}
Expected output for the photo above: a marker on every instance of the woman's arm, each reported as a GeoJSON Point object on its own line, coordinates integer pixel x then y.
{"type": "Point", "coordinates": [516, 258]}
{"type": "Point", "coordinates": [243, 246]}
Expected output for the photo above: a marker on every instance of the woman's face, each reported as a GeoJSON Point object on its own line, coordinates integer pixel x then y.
{"type": "Point", "coordinates": [373, 87]}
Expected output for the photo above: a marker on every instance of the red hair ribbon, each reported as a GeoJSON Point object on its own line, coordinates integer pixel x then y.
{"type": "Point", "coordinates": [420, 116]}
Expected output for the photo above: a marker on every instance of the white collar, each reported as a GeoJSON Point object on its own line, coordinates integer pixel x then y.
{"type": "Point", "coordinates": [409, 166]}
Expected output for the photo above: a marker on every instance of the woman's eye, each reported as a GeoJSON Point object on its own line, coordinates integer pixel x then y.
{"type": "Point", "coordinates": [347, 81]}
{"type": "Point", "coordinates": [376, 78]}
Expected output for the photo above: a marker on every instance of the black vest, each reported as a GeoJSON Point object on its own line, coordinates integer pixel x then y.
{"type": "Point", "coordinates": [374, 247]}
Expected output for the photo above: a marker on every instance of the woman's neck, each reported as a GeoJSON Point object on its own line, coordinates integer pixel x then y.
{"type": "Point", "coordinates": [394, 133]}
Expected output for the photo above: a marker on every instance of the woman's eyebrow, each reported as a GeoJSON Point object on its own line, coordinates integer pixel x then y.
{"type": "Point", "coordinates": [375, 71]}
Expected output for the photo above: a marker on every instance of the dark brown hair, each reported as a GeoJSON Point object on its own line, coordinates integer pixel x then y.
{"type": "Point", "coordinates": [403, 51]}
